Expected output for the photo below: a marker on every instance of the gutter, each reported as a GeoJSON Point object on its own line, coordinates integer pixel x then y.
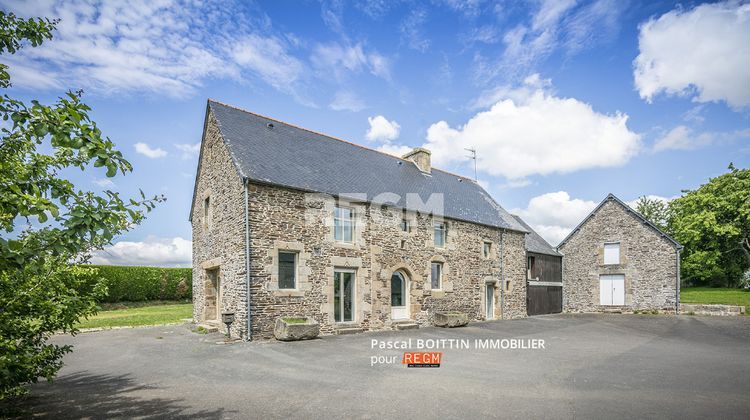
{"type": "Point", "coordinates": [248, 336]}
{"type": "Point", "coordinates": [502, 274]}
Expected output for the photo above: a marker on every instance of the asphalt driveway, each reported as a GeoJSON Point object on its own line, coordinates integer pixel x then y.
{"type": "Point", "coordinates": [592, 366]}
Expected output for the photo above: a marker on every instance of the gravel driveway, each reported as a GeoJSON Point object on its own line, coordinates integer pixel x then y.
{"type": "Point", "coordinates": [591, 366]}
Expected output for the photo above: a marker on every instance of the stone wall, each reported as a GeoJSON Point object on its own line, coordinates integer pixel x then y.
{"type": "Point", "coordinates": [712, 310]}
{"type": "Point", "coordinates": [647, 260]}
{"type": "Point", "coordinates": [220, 247]}
{"type": "Point", "coordinates": [285, 219]}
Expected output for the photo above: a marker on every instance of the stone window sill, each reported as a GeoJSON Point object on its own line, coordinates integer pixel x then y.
{"type": "Point", "coordinates": [346, 324]}
{"type": "Point", "coordinates": [288, 293]}
{"type": "Point", "coordinates": [346, 245]}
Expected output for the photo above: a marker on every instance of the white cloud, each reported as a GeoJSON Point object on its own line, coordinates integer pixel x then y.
{"type": "Point", "coordinates": [394, 149]}
{"type": "Point", "coordinates": [412, 33]}
{"type": "Point", "coordinates": [685, 138]}
{"type": "Point", "coordinates": [189, 151]}
{"type": "Point", "coordinates": [520, 93]}
{"type": "Point", "coordinates": [556, 26]}
{"type": "Point", "coordinates": [339, 60]}
{"type": "Point", "coordinates": [165, 47]}
{"type": "Point", "coordinates": [146, 150]}
{"type": "Point", "coordinates": [682, 138]}
{"type": "Point", "coordinates": [104, 182]}
{"type": "Point", "coordinates": [347, 101]}
{"type": "Point", "coordinates": [382, 129]}
{"type": "Point", "coordinates": [554, 215]}
{"type": "Point", "coordinates": [536, 133]}
{"type": "Point", "coordinates": [269, 59]}
{"type": "Point", "coordinates": [167, 252]}
{"type": "Point", "coordinates": [703, 53]}
{"type": "Point", "coordinates": [113, 47]}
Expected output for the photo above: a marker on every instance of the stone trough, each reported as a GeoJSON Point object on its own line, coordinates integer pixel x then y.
{"type": "Point", "coordinates": [296, 328]}
{"type": "Point", "coordinates": [450, 319]}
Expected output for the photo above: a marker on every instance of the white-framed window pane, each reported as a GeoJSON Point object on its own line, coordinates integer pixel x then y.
{"type": "Point", "coordinates": [287, 270]}
{"type": "Point", "coordinates": [436, 275]}
{"type": "Point", "coordinates": [343, 224]}
{"type": "Point", "coordinates": [347, 231]}
{"type": "Point", "coordinates": [487, 249]}
{"type": "Point", "coordinates": [439, 234]}
{"type": "Point", "coordinates": [612, 253]}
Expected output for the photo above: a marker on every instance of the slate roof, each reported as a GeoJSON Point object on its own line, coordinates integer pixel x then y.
{"type": "Point", "coordinates": [535, 243]}
{"type": "Point", "coordinates": [612, 197]}
{"type": "Point", "coordinates": [273, 152]}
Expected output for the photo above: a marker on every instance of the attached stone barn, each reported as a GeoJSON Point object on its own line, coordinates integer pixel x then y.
{"type": "Point", "coordinates": [543, 274]}
{"type": "Point", "coordinates": [616, 260]}
{"type": "Point", "coordinates": [290, 222]}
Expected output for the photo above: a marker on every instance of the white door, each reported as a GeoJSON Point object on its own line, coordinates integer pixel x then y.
{"type": "Point", "coordinates": [399, 296]}
{"type": "Point", "coordinates": [489, 301]}
{"type": "Point", "coordinates": [612, 289]}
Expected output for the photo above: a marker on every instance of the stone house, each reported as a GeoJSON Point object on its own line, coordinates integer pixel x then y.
{"type": "Point", "coordinates": [616, 260]}
{"type": "Point", "coordinates": [290, 222]}
{"type": "Point", "coordinates": [543, 274]}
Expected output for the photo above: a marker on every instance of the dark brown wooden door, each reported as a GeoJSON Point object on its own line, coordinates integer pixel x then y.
{"type": "Point", "coordinates": [542, 300]}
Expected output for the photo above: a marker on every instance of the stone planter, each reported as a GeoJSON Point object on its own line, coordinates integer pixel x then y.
{"type": "Point", "coordinates": [291, 329]}
{"type": "Point", "coordinates": [450, 319]}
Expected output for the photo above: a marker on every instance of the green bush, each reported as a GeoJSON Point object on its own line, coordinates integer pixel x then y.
{"type": "Point", "coordinates": [135, 284]}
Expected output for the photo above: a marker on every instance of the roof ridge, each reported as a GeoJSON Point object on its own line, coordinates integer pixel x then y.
{"type": "Point", "coordinates": [612, 197]}
{"type": "Point", "coordinates": [332, 137]}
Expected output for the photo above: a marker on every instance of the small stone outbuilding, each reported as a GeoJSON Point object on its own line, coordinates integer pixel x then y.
{"type": "Point", "coordinates": [616, 260]}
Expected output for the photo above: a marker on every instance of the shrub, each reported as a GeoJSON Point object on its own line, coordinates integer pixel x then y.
{"type": "Point", "coordinates": [134, 284]}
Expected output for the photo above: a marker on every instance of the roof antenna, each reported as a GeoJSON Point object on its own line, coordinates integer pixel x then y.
{"type": "Point", "coordinates": [473, 157]}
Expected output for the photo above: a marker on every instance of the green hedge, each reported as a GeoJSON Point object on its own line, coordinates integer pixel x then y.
{"type": "Point", "coordinates": [134, 284]}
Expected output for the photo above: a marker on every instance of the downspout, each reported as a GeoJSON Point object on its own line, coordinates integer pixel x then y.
{"type": "Point", "coordinates": [502, 274]}
{"type": "Point", "coordinates": [248, 335]}
{"type": "Point", "coordinates": [677, 296]}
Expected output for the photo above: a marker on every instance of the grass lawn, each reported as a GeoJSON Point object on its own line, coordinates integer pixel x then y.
{"type": "Point", "coordinates": [139, 313]}
{"type": "Point", "coordinates": [716, 295]}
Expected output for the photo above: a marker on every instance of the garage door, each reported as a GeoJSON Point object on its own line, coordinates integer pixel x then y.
{"type": "Point", "coordinates": [612, 289]}
{"type": "Point", "coordinates": [543, 298]}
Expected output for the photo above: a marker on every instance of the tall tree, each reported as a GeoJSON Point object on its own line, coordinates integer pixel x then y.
{"type": "Point", "coordinates": [654, 210]}
{"type": "Point", "coordinates": [713, 223]}
{"type": "Point", "coordinates": [47, 224]}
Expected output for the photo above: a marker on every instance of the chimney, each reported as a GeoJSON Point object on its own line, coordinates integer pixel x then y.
{"type": "Point", "coordinates": [421, 157]}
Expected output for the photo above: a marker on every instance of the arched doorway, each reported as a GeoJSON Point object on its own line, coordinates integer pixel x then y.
{"type": "Point", "coordinates": [399, 296]}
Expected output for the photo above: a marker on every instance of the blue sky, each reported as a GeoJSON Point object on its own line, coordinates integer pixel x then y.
{"type": "Point", "coordinates": [564, 100]}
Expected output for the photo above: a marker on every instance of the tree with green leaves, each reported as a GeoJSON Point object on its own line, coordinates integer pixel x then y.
{"type": "Point", "coordinates": [654, 210]}
{"type": "Point", "coordinates": [48, 226]}
{"type": "Point", "coordinates": [713, 224]}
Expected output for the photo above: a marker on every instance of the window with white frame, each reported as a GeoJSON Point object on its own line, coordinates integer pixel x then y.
{"type": "Point", "coordinates": [440, 230]}
{"type": "Point", "coordinates": [612, 253]}
{"type": "Point", "coordinates": [343, 224]}
{"type": "Point", "coordinates": [436, 275]}
{"type": "Point", "coordinates": [487, 249]}
{"type": "Point", "coordinates": [287, 270]}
